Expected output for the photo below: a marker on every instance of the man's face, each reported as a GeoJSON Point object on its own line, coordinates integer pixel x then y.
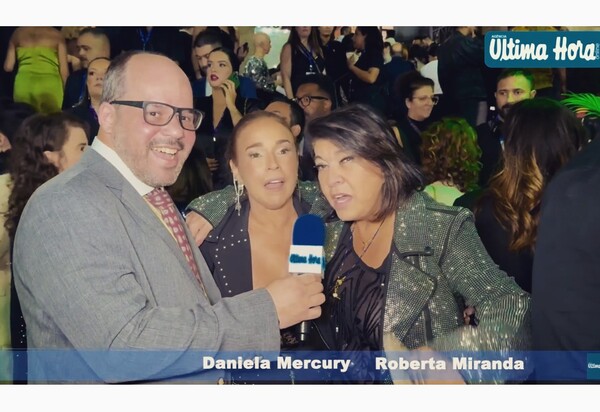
{"type": "Point", "coordinates": [284, 111]}
{"type": "Point", "coordinates": [155, 154]}
{"type": "Point", "coordinates": [201, 54]}
{"type": "Point", "coordinates": [319, 105]}
{"type": "Point", "coordinates": [90, 47]}
{"type": "Point", "coordinates": [511, 90]}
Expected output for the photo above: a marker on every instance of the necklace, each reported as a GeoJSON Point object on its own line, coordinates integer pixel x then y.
{"type": "Point", "coordinates": [366, 245]}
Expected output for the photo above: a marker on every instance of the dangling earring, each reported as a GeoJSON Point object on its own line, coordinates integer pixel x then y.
{"type": "Point", "coordinates": [298, 189]}
{"type": "Point", "coordinates": [239, 191]}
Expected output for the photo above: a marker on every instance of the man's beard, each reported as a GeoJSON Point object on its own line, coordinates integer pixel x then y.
{"type": "Point", "coordinates": [142, 169]}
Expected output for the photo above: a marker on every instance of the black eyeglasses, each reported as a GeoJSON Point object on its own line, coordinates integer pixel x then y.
{"type": "Point", "coordinates": [304, 101]}
{"type": "Point", "coordinates": [160, 114]}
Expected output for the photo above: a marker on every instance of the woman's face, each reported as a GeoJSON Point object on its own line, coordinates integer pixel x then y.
{"type": "Point", "coordinates": [421, 104]}
{"type": "Point", "coordinates": [303, 32]}
{"type": "Point", "coordinates": [71, 151]}
{"type": "Point", "coordinates": [266, 163]}
{"type": "Point", "coordinates": [95, 77]}
{"type": "Point", "coordinates": [219, 68]}
{"type": "Point", "coordinates": [326, 30]}
{"type": "Point", "coordinates": [351, 184]}
{"type": "Point", "coordinates": [358, 40]}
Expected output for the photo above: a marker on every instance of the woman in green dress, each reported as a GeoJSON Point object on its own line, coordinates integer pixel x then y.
{"type": "Point", "coordinates": [40, 57]}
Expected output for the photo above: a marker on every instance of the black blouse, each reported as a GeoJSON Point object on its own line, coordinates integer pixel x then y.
{"type": "Point", "coordinates": [362, 92]}
{"type": "Point", "coordinates": [355, 301]}
{"type": "Point", "coordinates": [213, 141]}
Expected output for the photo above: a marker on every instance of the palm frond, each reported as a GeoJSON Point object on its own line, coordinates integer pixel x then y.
{"type": "Point", "coordinates": [583, 104]}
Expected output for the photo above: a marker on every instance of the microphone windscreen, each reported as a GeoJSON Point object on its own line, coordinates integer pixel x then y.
{"type": "Point", "coordinates": [309, 230]}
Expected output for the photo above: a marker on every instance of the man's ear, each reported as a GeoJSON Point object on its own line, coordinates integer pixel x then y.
{"type": "Point", "coordinates": [532, 93]}
{"type": "Point", "coordinates": [53, 157]}
{"type": "Point", "coordinates": [106, 117]}
{"type": "Point", "coordinates": [296, 129]}
{"type": "Point", "coordinates": [4, 143]}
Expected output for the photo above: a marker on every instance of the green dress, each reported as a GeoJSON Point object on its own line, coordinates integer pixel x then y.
{"type": "Point", "coordinates": [38, 81]}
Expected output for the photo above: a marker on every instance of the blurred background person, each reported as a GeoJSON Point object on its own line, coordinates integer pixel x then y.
{"type": "Point", "coordinates": [40, 55]}
{"type": "Point", "coordinates": [45, 145]}
{"type": "Point", "coordinates": [391, 72]}
{"type": "Point", "coordinates": [366, 85]}
{"type": "Point", "coordinates": [566, 265]}
{"type": "Point", "coordinates": [301, 55]}
{"type": "Point", "coordinates": [419, 99]}
{"type": "Point", "coordinates": [256, 68]}
{"type": "Point", "coordinates": [450, 159]}
{"type": "Point", "coordinates": [512, 86]}
{"type": "Point", "coordinates": [87, 108]}
{"type": "Point", "coordinates": [222, 110]}
{"type": "Point", "coordinates": [316, 96]}
{"type": "Point", "coordinates": [335, 62]}
{"type": "Point", "coordinates": [462, 74]}
{"type": "Point", "coordinates": [205, 41]}
{"type": "Point", "coordinates": [541, 136]}
{"type": "Point", "coordinates": [91, 43]}
{"type": "Point", "coordinates": [11, 117]}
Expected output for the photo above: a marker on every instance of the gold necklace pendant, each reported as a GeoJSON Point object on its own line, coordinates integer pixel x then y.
{"type": "Point", "coordinates": [336, 287]}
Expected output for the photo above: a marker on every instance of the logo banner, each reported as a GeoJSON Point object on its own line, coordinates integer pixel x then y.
{"type": "Point", "coordinates": [542, 49]}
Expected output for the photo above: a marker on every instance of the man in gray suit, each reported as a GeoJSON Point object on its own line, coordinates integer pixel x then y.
{"type": "Point", "coordinates": [98, 271]}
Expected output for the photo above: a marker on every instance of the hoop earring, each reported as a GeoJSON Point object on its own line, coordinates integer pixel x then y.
{"type": "Point", "coordinates": [239, 191]}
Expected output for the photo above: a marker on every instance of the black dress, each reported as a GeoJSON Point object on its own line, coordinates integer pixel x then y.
{"type": "Point", "coordinates": [304, 62]}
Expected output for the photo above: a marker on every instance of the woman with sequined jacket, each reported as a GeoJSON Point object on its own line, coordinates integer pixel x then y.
{"type": "Point", "coordinates": [400, 267]}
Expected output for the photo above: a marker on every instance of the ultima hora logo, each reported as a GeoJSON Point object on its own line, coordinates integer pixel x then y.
{"type": "Point", "coordinates": [542, 49]}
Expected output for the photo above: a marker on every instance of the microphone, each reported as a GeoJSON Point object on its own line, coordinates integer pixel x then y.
{"type": "Point", "coordinates": [306, 253]}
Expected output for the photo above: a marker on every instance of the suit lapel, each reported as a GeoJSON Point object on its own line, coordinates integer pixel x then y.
{"type": "Point", "coordinates": [141, 211]}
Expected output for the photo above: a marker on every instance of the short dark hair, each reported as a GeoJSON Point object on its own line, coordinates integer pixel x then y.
{"type": "Point", "coordinates": [96, 32]}
{"type": "Point", "coordinates": [297, 114]}
{"type": "Point", "coordinates": [359, 129]}
{"type": "Point", "coordinates": [324, 83]}
{"type": "Point", "coordinates": [506, 73]}
{"type": "Point", "coordinates": [408, 83]}
{"type": "Point", "coordinates": [216, 38]}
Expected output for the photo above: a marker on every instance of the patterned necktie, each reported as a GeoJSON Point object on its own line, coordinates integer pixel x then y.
{"type": "Point", "coordinates": [160, 199]}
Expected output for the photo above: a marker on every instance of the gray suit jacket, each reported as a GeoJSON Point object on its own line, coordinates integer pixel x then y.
{"type": "Point", "coordinates": [95, 269]}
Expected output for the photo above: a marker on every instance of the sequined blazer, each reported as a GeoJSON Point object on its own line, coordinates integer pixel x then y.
{"type": "Point", "coordinates": [441, 267]}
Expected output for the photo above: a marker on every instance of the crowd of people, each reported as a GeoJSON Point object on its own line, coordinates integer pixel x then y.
{"type": "Point", "coordinates": [151, 181]}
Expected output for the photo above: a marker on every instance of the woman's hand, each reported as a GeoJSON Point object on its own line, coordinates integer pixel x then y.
{"type": "Point", "coordinates": [352, 59]}
{"type": "Point", "coordinates": [228, 88]}
{"type": "Point", "coordinates": [199, 226]}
